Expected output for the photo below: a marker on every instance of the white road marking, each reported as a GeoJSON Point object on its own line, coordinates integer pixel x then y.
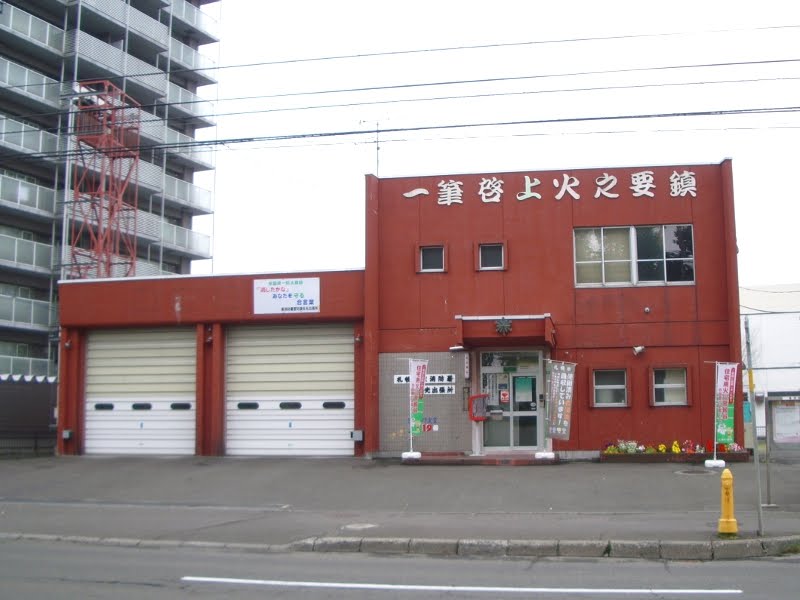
{"type": "Point", "coordinates": [456, 588]}
{"type": "Point", "coordinates": [359, 526]}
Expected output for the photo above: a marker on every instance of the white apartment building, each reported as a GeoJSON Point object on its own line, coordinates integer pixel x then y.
{"type": "Point", "coordinates": [149, 51]}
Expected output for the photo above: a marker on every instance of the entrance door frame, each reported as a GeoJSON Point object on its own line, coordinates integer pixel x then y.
{"type": "Point", "coordinates": [501, 366]}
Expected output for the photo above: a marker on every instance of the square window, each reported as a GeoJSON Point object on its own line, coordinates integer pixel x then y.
{"type": "Point", "coordinates": [491, 256]}
{"type": "Point", "coordinates": [610, 388]}
{"type": "Point", "coordinates": [669, 387]}
{"type": "Point", "coordinates": [431, 258]}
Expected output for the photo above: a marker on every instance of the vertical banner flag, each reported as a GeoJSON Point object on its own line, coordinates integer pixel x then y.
{"type": "Point", "coordinates": [417, 370]}
{"type": "Point", "coordinates": [559, 409]}
{"type": "Point", "coordinates": [725, 393]}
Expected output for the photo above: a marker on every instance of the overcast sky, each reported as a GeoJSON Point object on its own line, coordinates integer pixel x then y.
{"type": "Point", "coordinates": [297, 204]}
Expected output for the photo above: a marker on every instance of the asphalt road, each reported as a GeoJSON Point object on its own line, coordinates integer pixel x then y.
{"type": "Point", "coordinates": [30, 569]}
{"type": "Point", "coordinates": [277, 501]}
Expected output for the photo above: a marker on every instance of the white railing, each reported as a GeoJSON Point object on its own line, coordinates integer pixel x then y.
{"type": "Point", "coordinates": [180, 143]}
{"type": "Point", "coordinates": [26, 253]}
{"type": "Point", "coordinates": [135, 20]}
{"type": "Point", "coordinates": [152, 227]}
{"type": "Point", "coordinates": [151, 127]}
{"type": "Point", "coordinates": [195, 17]}
{"type": "Point", "coordinates": [31, 27]}
{"type": "Point", "coordinates": [28, 82]}
{"type": "Point", "coordinates": [116, 61]}
{"type": "Point", "coordinates": [186, 101]}
{"type": "Point", "coordinates": [187, 56]}
{"type": "Point", "coordinates": [27, 138]}
{"type": "Point", "coordinates": [184, 239]}
{"type": "Point", "coordinates": [26, 194]}
{"type": "Point", "coordinates": [188, 194]}
{"type": "Point", "coordinates": [20, 365]}
{"type": "Point", "coordinates": [26, 312]}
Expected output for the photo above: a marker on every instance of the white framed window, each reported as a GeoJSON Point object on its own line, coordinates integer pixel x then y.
{"type": "Point", "coordinates": [641, 255]}
{"type": "Point", "coordinates": [491, 257]}
{"type": "Point", "coordinates": [670, 387]}
{"type": "Point", "coordinates": [610, 388]}
{"type": "Point", "coordinates": [603, 255]}
{"type": "Point", "coordinates": [431, 259]}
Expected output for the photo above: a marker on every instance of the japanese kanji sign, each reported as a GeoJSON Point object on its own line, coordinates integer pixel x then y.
{"type": "Point", "coordinates": [286, 296]}
{"type": "Point", "coordinates": [723, 404]}
{"type": "Point", "coordinates": [559, 409]}
{"type": "Point", "coordinates": [435, 383]}
{"type": "Point", "coordinates": [417, 370]}
{"type": "Point", "coordinates": [490, 189]}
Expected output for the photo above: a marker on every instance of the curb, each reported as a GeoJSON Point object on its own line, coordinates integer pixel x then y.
{"type": "Point", "coordinates": [473, 548]}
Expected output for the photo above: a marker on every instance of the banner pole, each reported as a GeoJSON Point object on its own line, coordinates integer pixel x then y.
{"type": "Point", "coordinates": [414, 387]}
{"type": "Point", "coordinates": [546, 454]}
{"type": "Point", "coordinates": [714, 463]}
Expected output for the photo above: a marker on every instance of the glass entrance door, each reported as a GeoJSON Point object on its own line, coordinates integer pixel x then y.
{"type": "Point", "coordinates": [517, 426]}
{"type": "Point", "coordinates": [524, 414]}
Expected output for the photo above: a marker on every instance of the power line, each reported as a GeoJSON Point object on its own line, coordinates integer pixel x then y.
{"type": "Point", "coordinates": [770, 291]}
{"type": "Point", "coordinates": [445, 49]}
{"type": "Point", "coordinates": [507, 94]}
{"type": "Point", "coordinates": [477, 81]}
{"type": "Point", "coordinates": [348, 133]}
{"type": "Point", "coordinates": [761, 311]}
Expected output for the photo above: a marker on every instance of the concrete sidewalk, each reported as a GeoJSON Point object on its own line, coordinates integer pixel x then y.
{"type": "Point", "coordinates": [658, 511]}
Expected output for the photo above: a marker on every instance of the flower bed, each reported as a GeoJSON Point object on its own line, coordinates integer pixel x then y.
{"type": "Point", "coordinates": [695, 458]}
{"type": "Point", "coordinates": [630, 451]}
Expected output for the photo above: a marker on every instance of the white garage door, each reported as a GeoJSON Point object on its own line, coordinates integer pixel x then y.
{"type": "Point", "coordinates": [140, 392]}
{"type": "Point", "coordinates": [290, 390]}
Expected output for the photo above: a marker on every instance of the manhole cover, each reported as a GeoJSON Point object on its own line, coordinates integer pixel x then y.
{"type": "Point", "coordinates": [696, 472]}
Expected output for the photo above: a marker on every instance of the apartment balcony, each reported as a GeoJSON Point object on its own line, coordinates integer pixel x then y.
{"type": "Point", "coordinates": [188, 19]}
{"type": "Point", "coordinates": [151, 179]}
{"type": "Point", "coordinates": [22, 196]}
{"type": "Point", "coordinates": [28, 87]}
{"type": "Point", "coordinates": [24, 313]}
{"type": "Point", "coordinates": [152, 228]}
{"type": "Point", "coordinates": [188, 195]}
{"type": "Point", "coordinates": [37, 38]}
{"type": "Point", "coordinates": [21, 365]}
{"type": "Point", "coordinates": [146, 36]}
{"type": "Point", "coordinates": [186, 151]}
{"type": "Point", "coordinates": [144, 268]}
{"type": "Point", "coordinates": [151, 129]}
{"type": "Point", "coordinates": [25, 255]}
{"type": "Point", "coordinates": [190, 106]}
{"type": "Point", "coordinates": [99, 60]}
{"type": "Point", "coordinates": [191, 64]}
{"type": "Point", "coordinates": [179, 240]}
{"type": "Point", "coordinates": [26, 139]}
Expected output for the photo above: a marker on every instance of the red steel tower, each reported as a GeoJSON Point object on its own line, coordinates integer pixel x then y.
{"type": "Point", "coordinates": [105, 157]}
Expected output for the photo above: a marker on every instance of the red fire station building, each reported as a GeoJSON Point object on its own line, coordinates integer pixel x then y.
{"type": "Point", "coordinates": [627, 274]}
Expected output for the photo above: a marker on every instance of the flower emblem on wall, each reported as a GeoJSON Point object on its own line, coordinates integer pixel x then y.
{"type": "Point", "coordinates": [503, 326]}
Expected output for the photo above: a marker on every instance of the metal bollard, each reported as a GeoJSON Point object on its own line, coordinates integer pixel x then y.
{"type": "Point", "coordinates": [727, 527]}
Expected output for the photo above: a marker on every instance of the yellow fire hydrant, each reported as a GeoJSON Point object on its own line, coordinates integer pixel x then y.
{"type": "Point", "coordinates": [727, 527]}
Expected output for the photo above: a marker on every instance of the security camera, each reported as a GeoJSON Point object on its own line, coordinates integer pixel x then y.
{"type": "Point", "coordinates": [637, 350]}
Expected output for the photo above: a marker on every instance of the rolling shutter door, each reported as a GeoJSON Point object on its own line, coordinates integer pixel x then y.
{"type": "Point", "coordinates": [290, 390]}
{"type": "Point", "coordinates": [140, 392]}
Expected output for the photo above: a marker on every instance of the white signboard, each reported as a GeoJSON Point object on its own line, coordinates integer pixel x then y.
{"type": "Point", "coordinates": [786, 422]}
{"type": "Point", "coordinates": [286, 296]}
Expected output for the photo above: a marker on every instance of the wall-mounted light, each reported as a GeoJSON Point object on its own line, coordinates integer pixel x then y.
{"type": "Point", "coordinates": [358, 339]}
{"type": "Point", "coordinates": [637, 350]}
{"type": "Point", "coordinates": [68, 344]}
{"type": "Point", "coordinates": [456, 348]}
